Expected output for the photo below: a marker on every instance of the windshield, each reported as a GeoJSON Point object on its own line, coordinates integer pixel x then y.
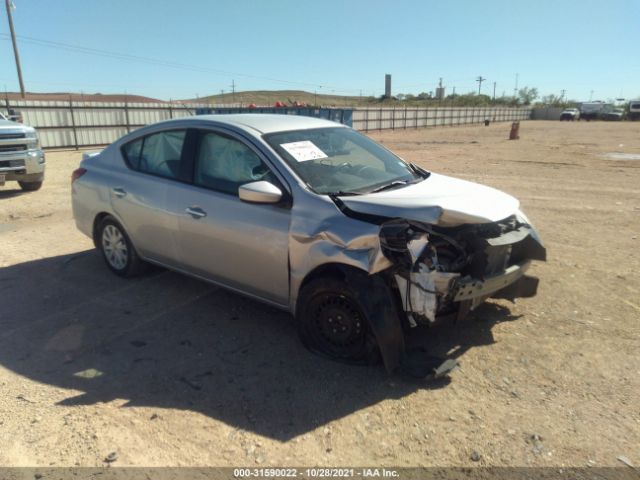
{"type": "Point", "coordinates": [341, 161]}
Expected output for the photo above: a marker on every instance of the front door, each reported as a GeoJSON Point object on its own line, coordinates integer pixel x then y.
{"type": "Point", "coordinates": [241, 245]}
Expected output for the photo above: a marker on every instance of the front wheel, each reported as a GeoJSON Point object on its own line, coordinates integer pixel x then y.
{"type": "Point", "coordinates": [30, 186]}
{"type": "Point", "coordinates": [331, 321]}
{"type": "Point", "coordinates": [117, 250]}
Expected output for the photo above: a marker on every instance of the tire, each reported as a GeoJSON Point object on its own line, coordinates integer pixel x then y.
{"type": "Point", "coordinates": [117, 250]}
{"type": "Point", "coordinates": [332, 323]}
{"type": "Point", "coordinates": [30, 186]}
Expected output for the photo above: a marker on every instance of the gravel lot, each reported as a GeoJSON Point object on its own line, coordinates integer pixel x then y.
{"type": "Point", "coordinates": [166, 370]}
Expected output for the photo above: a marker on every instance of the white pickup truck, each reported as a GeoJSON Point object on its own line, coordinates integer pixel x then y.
{"type": "Point", "coordinates": [591, 110]}
{"type": "Point", "coordinates": [21, 158]}
{"type": "Point", "coordinates": [570, 114]}
{"type": "Point", "coordinates": [634, 110]}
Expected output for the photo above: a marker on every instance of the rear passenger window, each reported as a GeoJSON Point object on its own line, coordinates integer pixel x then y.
{"type": "Point", "coordinates": [158, 154]}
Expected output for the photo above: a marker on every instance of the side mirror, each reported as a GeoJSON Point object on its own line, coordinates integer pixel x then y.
{"type": "Point", "coordinates": [260, 192]}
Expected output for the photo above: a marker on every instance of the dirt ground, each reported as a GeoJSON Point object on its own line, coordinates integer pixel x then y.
{"type": "Point", "coordinates": [166, 370]}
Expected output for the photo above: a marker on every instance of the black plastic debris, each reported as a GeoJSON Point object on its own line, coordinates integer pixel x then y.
{"type": "Point", "coordinates": [417, 363]}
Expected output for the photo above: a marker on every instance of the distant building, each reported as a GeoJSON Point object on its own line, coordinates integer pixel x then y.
{"type": "Point", "coordinates": [387, 86]}
{"type": "Point", "coordinates": [439, 93]}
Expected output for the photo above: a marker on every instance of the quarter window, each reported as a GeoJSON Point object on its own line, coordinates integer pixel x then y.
{"type": "Point", "coordinates": [225, 164]}
{"type": "Point", "coordinates": [132, 153]}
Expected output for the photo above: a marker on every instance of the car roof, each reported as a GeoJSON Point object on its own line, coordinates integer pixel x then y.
{"type": "Point", "coordinates": [267, 122]}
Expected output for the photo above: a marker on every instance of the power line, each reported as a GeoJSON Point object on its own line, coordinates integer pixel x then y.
{"type": "Point", "coordinates": [160, 62]}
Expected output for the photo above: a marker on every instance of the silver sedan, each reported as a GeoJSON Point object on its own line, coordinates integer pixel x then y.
{"type": "Point", "coordinates": [311, 217]}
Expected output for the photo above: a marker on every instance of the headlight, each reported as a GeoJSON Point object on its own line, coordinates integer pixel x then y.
{"type": "Point", "coordinates": [32, 139]}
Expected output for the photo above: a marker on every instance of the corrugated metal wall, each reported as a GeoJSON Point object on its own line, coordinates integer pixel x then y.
{"type": "Point", "coordinates": [389, 118]}
{"type": "Point", "coordinates": [78, 124]}
{"type": "Point", "coordinates": [82, 124]}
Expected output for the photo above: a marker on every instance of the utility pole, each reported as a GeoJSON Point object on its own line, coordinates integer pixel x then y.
{"type": "Point", "coordinates": [562, 92]}
{"type": "Point", "coordinates": [15, 46]}
{"type": "Point", "coordinates": [591, 95]}
{"type": "Point", "coordinates": [480, 79]}
{"type": "Point", "coordinates": [515, 90]}
{"type": "Point", "coordinates": [233, 91]}
{"type": "Point", "coordinates": [494, 91]}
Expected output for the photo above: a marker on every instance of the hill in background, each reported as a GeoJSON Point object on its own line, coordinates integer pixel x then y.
{"type": "Point", "coordinates": [80, 97]}
{"type": "Point", "coordinates": [270, 97]}
{"type": "Point", "coordinates": [261, 98]}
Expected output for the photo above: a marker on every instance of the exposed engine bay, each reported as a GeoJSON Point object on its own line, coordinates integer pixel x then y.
{"type": "Point", "coordinates": [446, 272]}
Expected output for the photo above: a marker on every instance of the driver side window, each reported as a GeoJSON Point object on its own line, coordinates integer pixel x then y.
{"type": "Point", "coordinates": [224, 164]}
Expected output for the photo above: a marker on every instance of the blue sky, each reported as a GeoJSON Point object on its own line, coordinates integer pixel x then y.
{"type": "Point", "coordinates": [198, 47]}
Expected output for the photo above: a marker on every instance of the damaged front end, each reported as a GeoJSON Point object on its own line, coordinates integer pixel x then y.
{"type": "Point", "coordinates": [445, 272]}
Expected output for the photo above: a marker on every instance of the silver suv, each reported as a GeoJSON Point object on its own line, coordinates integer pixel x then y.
{"type": "Point", "coordinates": [21, 158]}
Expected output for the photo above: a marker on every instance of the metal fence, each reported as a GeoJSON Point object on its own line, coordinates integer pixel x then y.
{"type": "Point", "coordinates": [402, 118]}
{"type": "Point", "coordinates": [64, 124]}
{"type": "Point", "coordinates": [86, 124]}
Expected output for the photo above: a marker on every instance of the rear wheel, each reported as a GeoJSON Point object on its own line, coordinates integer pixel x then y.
{"type": "Point", "coordinates": [331, 321]}
{"type": "Point", "coordinates": [117, 250]}
{"type": "Point", "coordinates": [30, 186]}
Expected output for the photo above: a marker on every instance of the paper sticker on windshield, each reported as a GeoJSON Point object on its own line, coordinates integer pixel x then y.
{"type": "Point", "coordinates": [303, 151]}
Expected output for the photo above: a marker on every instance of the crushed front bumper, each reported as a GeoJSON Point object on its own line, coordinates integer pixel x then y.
{"type": "Point", "coordinates": [472, 289]}
{"type": "Point", "coordinates": [442, 274]}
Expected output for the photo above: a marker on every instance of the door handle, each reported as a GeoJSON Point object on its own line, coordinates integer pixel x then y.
{"type": "Point", "coordinates": [118, 192]}
{"type": "Point", "coordinates": [196, 212]}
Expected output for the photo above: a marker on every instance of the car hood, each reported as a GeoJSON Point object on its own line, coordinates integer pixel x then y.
{"type": "Point", "coordinates": [438, 200]}
{"type": "Point", "coordinates": [8, 124]}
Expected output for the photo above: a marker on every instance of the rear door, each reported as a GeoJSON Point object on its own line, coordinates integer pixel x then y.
{"type": "Point", "coordinates": [139, 196]}
{"type": "Point", "coordinates": [241, 245]}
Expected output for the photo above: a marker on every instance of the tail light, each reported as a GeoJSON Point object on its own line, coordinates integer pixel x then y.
{"type": "Point", "coordinates": [77, 173]}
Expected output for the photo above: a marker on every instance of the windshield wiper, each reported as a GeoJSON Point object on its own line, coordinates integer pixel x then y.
{"type": "Point", "coordinates": [394, 184]}
{"type": "Point", "coordinates": [342, 193]}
